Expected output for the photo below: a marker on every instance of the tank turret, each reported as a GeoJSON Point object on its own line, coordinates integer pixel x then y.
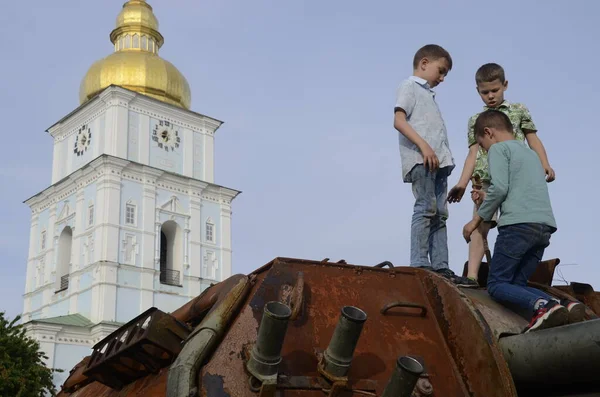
{"type": "Point", "coordinates": [311, 328]}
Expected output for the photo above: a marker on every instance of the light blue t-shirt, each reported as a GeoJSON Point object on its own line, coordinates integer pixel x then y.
{"type": "Point", "coordinates": [518, 186]}
{"type": "Point", "coordinates": [417, 99]}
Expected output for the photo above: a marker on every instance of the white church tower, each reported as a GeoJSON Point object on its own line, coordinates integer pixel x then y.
{"type": "Point", "coordinates": [133, 218]}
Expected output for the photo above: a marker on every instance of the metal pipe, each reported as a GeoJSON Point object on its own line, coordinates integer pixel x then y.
{"type": "Point", "coordinates": [404, 378]}
{"type": "Point", "coordinates": [554, 356]}
{"type": "Point", "coordinates": [182, 380]}
{"type": "Point", "coordinates": [266, 353]}
{"type": "Point", "coordinates": [338, 356]}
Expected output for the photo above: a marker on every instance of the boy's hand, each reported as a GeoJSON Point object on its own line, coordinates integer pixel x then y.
{"type": "Point", "coordinates": [550, 175]}
{"type": "Point", "coordinates": [430, 160]}
{"type": "Point", "coordinates": [456, 193]}
{"type": "Point", "coordinates": [477, 196]}
{"type": "Point", "coordinates": [469, 229]}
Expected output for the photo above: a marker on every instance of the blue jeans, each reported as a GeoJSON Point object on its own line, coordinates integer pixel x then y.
{"type": "Point", "coordinates": [428, 236]}
{"type": "Point", "coordinates": [518, 251]}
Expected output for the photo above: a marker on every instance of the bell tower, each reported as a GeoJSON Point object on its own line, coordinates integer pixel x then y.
{"type": "Point", "coordinates": [132, 218]}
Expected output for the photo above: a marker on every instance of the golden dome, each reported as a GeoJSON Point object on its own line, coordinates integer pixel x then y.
{"type": "Point", "coordinates": [135, 64]}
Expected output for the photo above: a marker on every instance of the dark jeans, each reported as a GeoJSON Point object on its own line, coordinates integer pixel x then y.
{"type": "Point", "coordinates": [428, 236]}
{"type": "Point", "coordinates": [518, 251]}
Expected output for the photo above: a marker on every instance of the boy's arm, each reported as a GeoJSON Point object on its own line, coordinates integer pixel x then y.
{"type": "Point", "coordinates": [534, 142]}
{"type": "Point", "coordinates": [430, 160]}
{"type": "Point", "coordinates": [498, 190]}
{"type": "Point", "coordinates": [456, 193]}
{"type": "Point", "coordinates": [537, 146]}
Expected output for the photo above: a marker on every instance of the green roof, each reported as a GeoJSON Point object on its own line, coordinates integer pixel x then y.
{"type": "Point", "coordinates": [76, 320]}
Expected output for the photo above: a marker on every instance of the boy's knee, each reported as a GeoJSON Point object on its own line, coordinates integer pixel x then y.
{"type": "Point", "coordinates": [492, 288]}
{"type": "Point", "coordinates": [426, 206]}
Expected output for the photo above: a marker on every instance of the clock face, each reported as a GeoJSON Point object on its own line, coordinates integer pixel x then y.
{"type": "Point", "coordinates": [166, 136]}
{"type": "Point", "coordinates": [82, 141]}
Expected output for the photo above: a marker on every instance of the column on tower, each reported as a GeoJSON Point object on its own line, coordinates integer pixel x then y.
{"type": "Point", "coordinates": [225, 240]}
{"type": "Point", "coordinates": [108, 199]}
{"type": "Point", "coordinates": [150, 234]}
{"type": "Point", "coordinates": [34, 244]}
{"type": "Point", "coordinates": [209, 161]}
{"type": "Point", "coordinates": [78, 228]}
{"type": "Point", "coordinates": [195, 246]}
{"type": "Point", "coordinates": [51, 256]}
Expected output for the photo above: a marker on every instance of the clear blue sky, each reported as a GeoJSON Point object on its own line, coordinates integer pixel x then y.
{"type": "Point", "coordinates": [306, 90]}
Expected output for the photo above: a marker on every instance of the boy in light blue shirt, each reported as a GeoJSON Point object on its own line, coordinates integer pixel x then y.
{"type": "Point", "coordinates": [519, 189]}
{"type": "Point", "coordinates": [426, 157]}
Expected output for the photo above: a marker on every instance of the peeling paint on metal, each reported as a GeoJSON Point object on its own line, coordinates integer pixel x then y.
{"type": "Point", "coordinates": [213, 386]}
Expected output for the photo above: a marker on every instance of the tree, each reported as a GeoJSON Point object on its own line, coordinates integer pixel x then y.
{"type": "Point", "coordinates": [22, 369]}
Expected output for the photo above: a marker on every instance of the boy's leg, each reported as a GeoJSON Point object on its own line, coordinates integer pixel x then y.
{"type": "Point", "coordinates": [438, 234]}
{"type": "Point", "coordinates": [423, 187]}
{"type": "Point", "coordinates": [548, 312]}
{"type": "Point", "coordinates": [518, 250]}
{"type": "Point", "coordinates": [477, 245]}
{"type": "Point", "coordinates": [505, 280]}
{"type": "Point", "coordinates": [575, 309]}
{"type": "Point", "coordinates": [477, 250]}
{"type": "Point", "coordinates": [532, 258]}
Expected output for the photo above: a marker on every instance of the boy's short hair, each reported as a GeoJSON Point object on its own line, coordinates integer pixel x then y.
{"type": "Point", "coordinates": [433, 52]}
{"type": "Point", "coordinates": [490, 72]}
{"type": "Point", "coordinates": [492, 119]}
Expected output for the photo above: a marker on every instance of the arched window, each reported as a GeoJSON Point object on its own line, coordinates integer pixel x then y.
{"type": "Point", "coordinates": [171, 250]}
{"type": "Point", "coordinates": [136, 41]}
{"type": "Point", "coordinates": [144, 43]}
{"type": "Point", "coordinates": [63, 262]}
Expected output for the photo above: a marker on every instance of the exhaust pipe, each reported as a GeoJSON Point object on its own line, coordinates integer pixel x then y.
{"type": "Point", "coordinates": [565, 355]}
{"type": "Point", "coordinates": [266, 353]}
{"type": "Point", "coordinates": [404, 378]}
{"type": "Point", "coordinates": [338, 356]}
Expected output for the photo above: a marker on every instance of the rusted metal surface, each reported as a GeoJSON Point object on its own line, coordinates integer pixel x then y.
{"type": "Point", "coordinates": [182, 380]}
{"type": "Point", "coordinates": [478, 359]}
{"type": "Point", "coordinates": [293, 296]}
{"type": "Point", "coordinates": [422, 313]}
{"type": "Point", "coordinates": [500, 319]}
{"type": "Point", "coordinates": [586, 294]}
{"type": "Point", "coordinates": [143, 346]}
{"type": "Point", "coordinates": [327, 288]}
{"type": "Point", "coordinates": [152, 385]}
{"type": "Point", "coordinates": [544, 274]}
{"type": "Point", "coordinates": [77, 379]}
{"type": "Point", "coordinates": [194, 311]}
{"type": "Point", "coordinates": [454, 333]}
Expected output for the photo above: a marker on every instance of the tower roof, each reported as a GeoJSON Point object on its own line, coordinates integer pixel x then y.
{"type": "Point", "coordinates": [135, 64]}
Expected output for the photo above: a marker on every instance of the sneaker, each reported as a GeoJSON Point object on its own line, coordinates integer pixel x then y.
{"type": "Point", "coordinates": [576, 310]}
{"type": "Point", "coordinates": [465, 282]}
{"type": "Point", "coordinates": [447, 273]}
{"type": "Point", "coordinates": [552, 314]}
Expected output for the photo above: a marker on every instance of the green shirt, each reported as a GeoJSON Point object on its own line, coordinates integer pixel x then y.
{"type": "Point", "coordinates": [521, 120]}
{"type": "Point", "coordinates": [518, 186]}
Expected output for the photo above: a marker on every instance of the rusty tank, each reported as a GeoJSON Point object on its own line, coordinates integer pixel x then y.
{"type": "Point", "coordinates": [318, 328]}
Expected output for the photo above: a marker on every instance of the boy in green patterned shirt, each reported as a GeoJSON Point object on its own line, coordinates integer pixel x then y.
{"type": "Point", "coordinates": [491, 85]}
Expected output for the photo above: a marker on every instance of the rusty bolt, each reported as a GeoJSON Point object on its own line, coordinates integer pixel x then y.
{"type": "Point", "coordinates": [424, 387]}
